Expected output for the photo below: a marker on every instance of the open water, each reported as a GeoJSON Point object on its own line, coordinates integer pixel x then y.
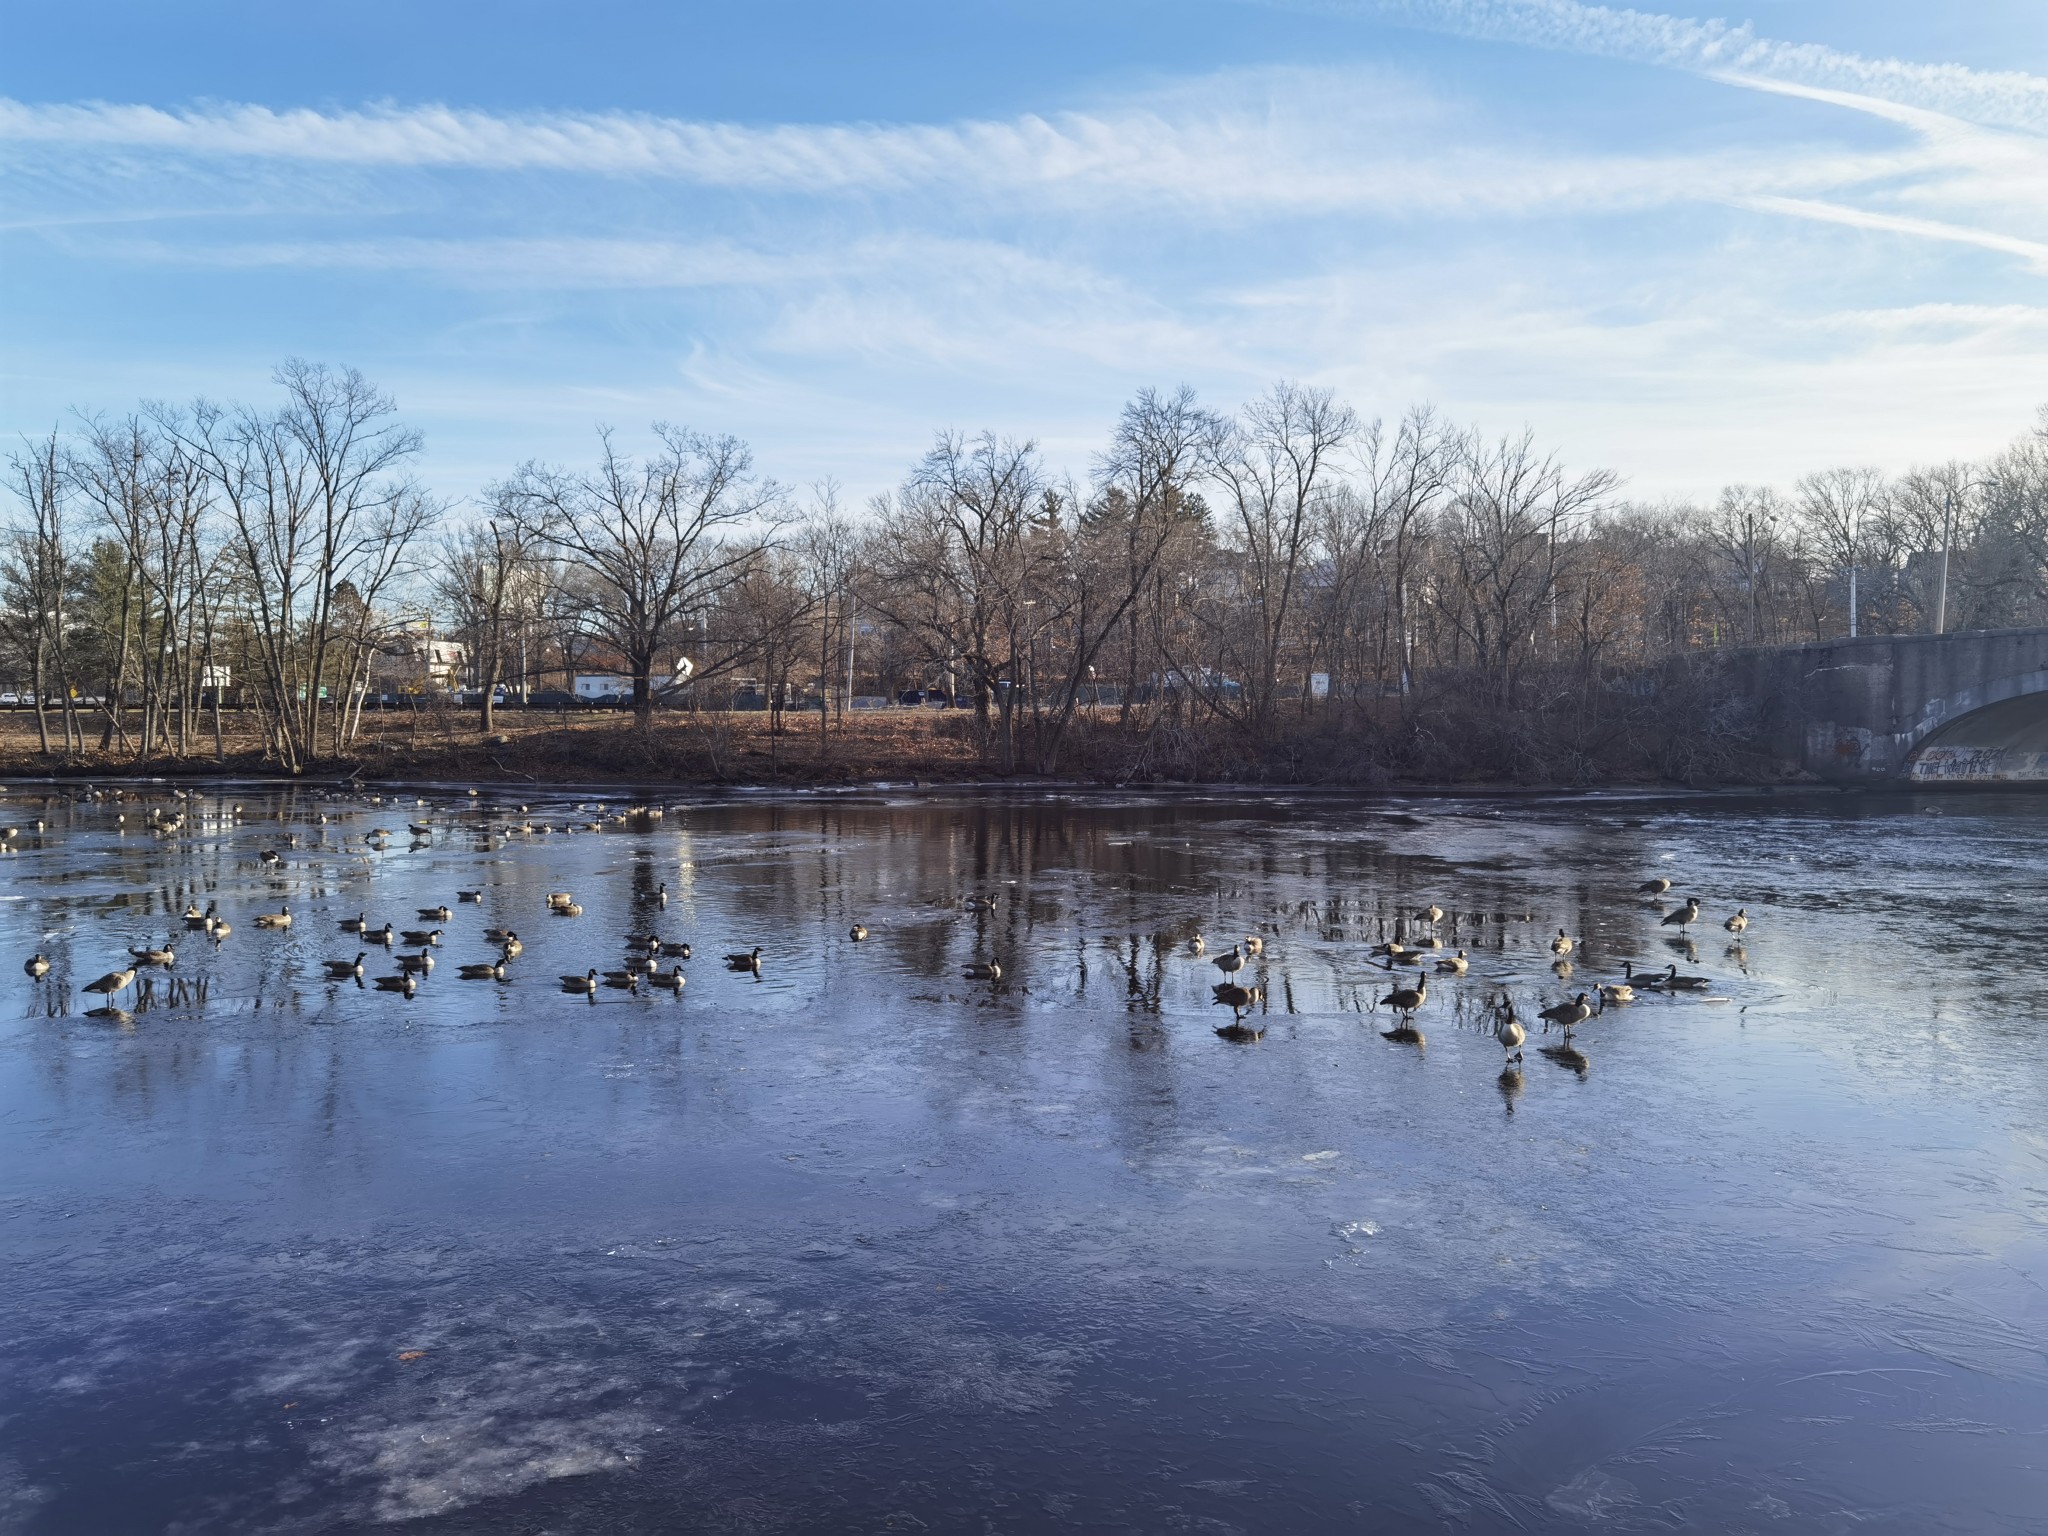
{"type": "Point", "coordinates": [858, 1244]}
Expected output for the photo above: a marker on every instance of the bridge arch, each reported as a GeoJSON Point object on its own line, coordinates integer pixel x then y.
{"type": "Point", "coordinates": [1997, 734]}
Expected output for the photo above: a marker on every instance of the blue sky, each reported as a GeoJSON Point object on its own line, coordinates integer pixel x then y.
{"type": "Point", "coordinates": [1692, 251]}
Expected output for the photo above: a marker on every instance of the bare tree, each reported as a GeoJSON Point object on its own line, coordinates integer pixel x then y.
{"type": "Point", "coordinates": [322, 522]}
{"type": "Point", "coordinates": [1514, 511]}
{"type": "Point", "coordinates": [1837, 505]}
{"type": "Point", "coordinates": [658, 539]}
{"type": "Point", "coordinates": [490, 586]}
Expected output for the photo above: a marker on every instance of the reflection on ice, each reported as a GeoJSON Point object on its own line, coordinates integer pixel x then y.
{"type": "Point", "coordinates": [844, 1237]}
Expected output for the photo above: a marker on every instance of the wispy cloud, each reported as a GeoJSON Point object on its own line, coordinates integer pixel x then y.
{"type": "Point", "coordinates": [2006, 98]}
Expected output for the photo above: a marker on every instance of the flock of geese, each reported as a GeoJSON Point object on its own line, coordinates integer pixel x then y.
{"type": "Point", "coordinates": [1407, 998]}
{"type": "Point", "coordinates": [413, 952]}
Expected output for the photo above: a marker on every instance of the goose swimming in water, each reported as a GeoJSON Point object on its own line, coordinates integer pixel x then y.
{"type": "Point", "coordinates": [584, 983]}
{"type": "Point", "coordinates": [37, 965]}
{"type": "Point", "coordinates": [1254, 945]}
{"type": "Point", "coordinates": [1430, 914]}
{"type": "Point", "coordinates": [749, 961]}
{"type": "Point", "coordinates": [983, 971]}
{"type": "Point", "coordinates": [405, 982]}
{"type": "Point", "coordinates": [281, 918]}
{"type": "Point", "coordinates": [164, 956]}
{"type": "Point", "coordinates": [1196, 945]}
{"type": "Point", "coordinates": [342, 969]}
{"type": "Point", "coordinates": [1674, 982]}
{"type": "Point", "coordinates": [1453, 965]}
{"type": "Point", "coordinates": [857, 933]}
{"type": "Point", "coordinates": [423, 962]}
{"type": "Point", "coordinates": [422, 935]}
{"type": "Point", "coordinates": [670, 980]}
{"type": "Point", "coordinates": [439, 914]}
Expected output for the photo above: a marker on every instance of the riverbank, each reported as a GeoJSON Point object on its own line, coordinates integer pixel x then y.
{"type": "Point", "coordinates": [735, 750]}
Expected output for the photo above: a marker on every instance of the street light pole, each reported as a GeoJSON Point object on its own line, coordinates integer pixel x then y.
{"type": "Point", "coordinates": [1948, 536]}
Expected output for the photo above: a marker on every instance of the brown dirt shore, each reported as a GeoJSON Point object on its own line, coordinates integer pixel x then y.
{"type": "Point", "coordinates": [733, 751]}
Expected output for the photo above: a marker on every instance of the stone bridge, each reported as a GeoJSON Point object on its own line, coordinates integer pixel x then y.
{"type": "Point", "coordinates": [1966, 708]}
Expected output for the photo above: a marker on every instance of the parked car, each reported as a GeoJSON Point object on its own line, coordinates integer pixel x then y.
{"type": "Point", "coordinates": [910, 696]}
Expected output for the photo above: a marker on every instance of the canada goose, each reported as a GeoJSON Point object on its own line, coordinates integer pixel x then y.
{"type": "Point", "coordinates": [436, 914]}
{"type": "Point", "coordinates": [483, 970]}
{"type": "Point", "coordinates": [561, 898]}
{"type": "Point", "coordinates": [469, 895]}
{"type": "Point", "coordinates": [218, 928]}
{"type": "Point", "coordinates": [164, 956]}
{"type": "Point", "coordinates": [1676, 983]}
{"type": "Point", "coordinates": [193, 914]}
{"type": "Point", "coordinates": [37, 965]}
{"type": "Point", "coordinates": [658, 899]}
{"type": "Point", "coordinates": [1647, 979]}
{"type": "Point", "coordinates": [345, 968]}
{"type": "Point", "coordinates": [421, 936]}
{"type": "Point", "coordinates": [1254, 945]}
{"type": "Point", "coordinates": [377, 835]}
{"type": "Point", "coordinates": [112, 982]}
{"type": "Point", "coordinates": [750, 961]}
{"type": "Point", "coordinates": [1395, 955]}
{"type": "Point", "coordinates": [1232, 962]}
{"type": "Point", "coordinates": [419, 829]}
{"type": "Point", "coordinates": [1511, 1035]}
{"type": "Point", "coordinates": [981, 903]}
{"type": "Point", "coordinates": [423, 962]}
{"type": "Point", "coordinates": [570, 910]}
{"type": "Point", "coordinates": [983, 971]}
{"type": "Point", "coordinates": [1739, 921]}
{"type": "Point", "coordinates": [625, 981]}
{"type": "Point", "coordinates": [671, 980]}
{"type": "Point", "coordinates": [357, 924]}
{"type": "Point", "coordinates": [387, 935]}
{"type": "Point", "coordinates": [1655, 887]}
{"type": "Point", "coordinates": [405, 982]}
{"type": "Point", "coordinates": [197, 919]}
{"type": "Point", "coordinates": [1562, 944]}
{"type": "Point", "coordinates": [646, 941]}
{"type": "Point", "coordinates": [1453, 965]}
{"type": "Point", "coordinates": [641, 964]}
{"type": "Point", "coordinates": [1571, 1015]}
{"type": "Point", "coordinates": [1405, 1000]}
{"type": "Point", "coordinates": [1235, 997]}
{"type": "Point", "coordinates": [676, 951]}
{"type": "Point", "coordinates": [1617, 992]}
{"type": "Point", "coordinates": [1430, 914]}
{"type": "Point", "coordinates": [1196, 946]}
{"type": "Point", "coordinates": [499, 935]}
{"type": "Point", "coordinates": [512, 946]}
{"type": "Point", "coordinates": [281, 918]}
{"type": "Point", "coordinates": [856, 933]}
{"type": "Point", "coordinates": [1685, 916]}
{"type": "Point", "coordinates": [587, 982]}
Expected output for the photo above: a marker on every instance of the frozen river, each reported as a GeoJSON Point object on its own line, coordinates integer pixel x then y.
{"type": "Point", "coordinates": [858, 1244]}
